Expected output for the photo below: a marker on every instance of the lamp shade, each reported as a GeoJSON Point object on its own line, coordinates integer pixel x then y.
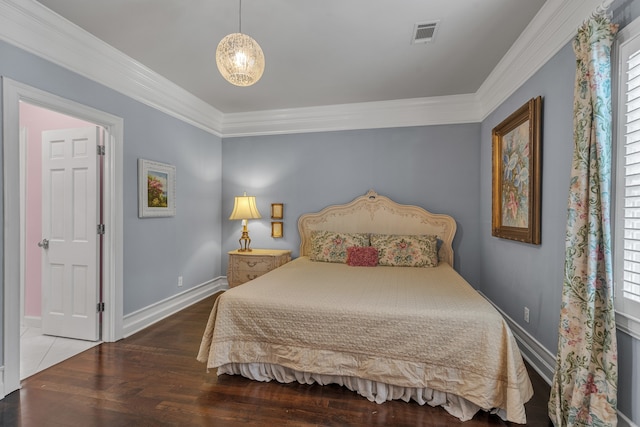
{"type": "Point", "coordinates": [240, 59]}
{"type": "Point", "coordinates": [245, 208]}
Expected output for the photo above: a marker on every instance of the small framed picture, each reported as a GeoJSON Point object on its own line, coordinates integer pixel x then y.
{"type": "Point", "coordinates": [156, 189]}
{"type": "Point", "coordinates": [276, 229]}
{"type": "Point", "coordinates": [277, 210]}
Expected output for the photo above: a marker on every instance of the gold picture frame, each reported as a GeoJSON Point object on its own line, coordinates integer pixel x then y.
{"type": "Point", "coordinates": [276, 229]}
{"type": "Point", "coordinates": [277, 210]}
{"type": "Point", "coordinates": [516, 195]}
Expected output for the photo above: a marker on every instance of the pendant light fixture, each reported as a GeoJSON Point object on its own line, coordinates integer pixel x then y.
{"type": "Point", "coordinates": [239, 57]}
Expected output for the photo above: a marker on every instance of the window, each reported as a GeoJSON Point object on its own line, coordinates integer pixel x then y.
{"type": "Point", "coordinates": [626, 258]}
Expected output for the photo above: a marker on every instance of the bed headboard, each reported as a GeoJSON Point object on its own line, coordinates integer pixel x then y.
{"type": "Point", "coordinates": [373, 213]}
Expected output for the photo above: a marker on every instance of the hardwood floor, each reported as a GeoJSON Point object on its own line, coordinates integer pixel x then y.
{"type": "Point", "coordinates": [153, 379]}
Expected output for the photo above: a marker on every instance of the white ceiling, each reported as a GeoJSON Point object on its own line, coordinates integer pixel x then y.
{"type": "Point", "coordinates": [318, 53]}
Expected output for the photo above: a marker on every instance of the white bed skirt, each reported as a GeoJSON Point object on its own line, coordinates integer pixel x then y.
{"type": "Point", "coordinates": [374, 391]}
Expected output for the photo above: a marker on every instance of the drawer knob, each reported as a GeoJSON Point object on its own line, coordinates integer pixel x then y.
{"type": "Point", "coordinates": [252, 263]}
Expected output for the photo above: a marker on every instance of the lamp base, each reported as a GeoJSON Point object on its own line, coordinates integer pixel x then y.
{"type": "Point", "coordinates": [245, 241]}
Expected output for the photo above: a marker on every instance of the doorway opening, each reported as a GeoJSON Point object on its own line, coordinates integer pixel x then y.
{"type": "Point", "coordinates": [112, 240]}
{"type": "Point", "coordinates": [44, 339]}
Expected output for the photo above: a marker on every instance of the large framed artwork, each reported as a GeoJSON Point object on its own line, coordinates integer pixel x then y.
{"type": "Point", "coordinates": [156, 189]}
{"type": "Point", "coordinates": [517, 175]}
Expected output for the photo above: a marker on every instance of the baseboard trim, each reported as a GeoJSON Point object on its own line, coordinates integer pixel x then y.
{"type": "Point", "coordinates": [147, 316]}
{"type": "Point", "coordinates": [541, 359]}
{"type": "Point", "coordinates": [32, 321]}
{"type": "Point", "coordinates": [623, 421]}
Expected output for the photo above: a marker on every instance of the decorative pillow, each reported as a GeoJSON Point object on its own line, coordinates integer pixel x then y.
{"type": "Point", "coordinates": [362, 256]}
{"type": "Point", "coordinates": [331, 246]}
{"type": "Point", "coordinates": [406, 250]}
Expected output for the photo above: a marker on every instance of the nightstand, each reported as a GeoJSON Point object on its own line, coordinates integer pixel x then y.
{"type": "Point", "coordinates": [245, 266]}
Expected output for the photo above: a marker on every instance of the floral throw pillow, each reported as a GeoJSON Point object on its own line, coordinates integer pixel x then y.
{"type": "Point", "coordinates": [362, 256]}
{"type": "Point", "coordinates": [406, 250]}
{"type": "Point", "coordinates": [331, 246]}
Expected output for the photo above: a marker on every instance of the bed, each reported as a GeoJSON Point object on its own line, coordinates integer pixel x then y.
{"type": "Point", "coordinates": [387, 331]}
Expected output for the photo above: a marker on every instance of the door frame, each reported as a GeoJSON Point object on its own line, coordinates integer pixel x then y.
{"type": "Point", "coordinates": [112, 255]}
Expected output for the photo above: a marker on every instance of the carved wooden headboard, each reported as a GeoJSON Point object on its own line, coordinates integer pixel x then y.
{"type": "Point", "coordinates": [373, 213]}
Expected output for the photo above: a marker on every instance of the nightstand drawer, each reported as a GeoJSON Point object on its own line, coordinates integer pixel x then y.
{"type": "Point", "coordinates": [243, 276]}
{"type": "Point", "coordinates": [257, 263]}
{"type": "Point", "coordinates": [245, 266]}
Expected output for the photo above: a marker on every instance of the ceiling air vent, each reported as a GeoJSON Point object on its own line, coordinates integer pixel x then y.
{"type": "Point", "coordinates": [425, 32]}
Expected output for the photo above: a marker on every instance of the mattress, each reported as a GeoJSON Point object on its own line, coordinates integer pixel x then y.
{"type": "Point", "coordinates": [417, 329]}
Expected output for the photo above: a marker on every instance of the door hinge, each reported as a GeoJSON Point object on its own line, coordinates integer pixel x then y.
{"type": "Point", "coordinates": [100, 307]}
{"type": "Point", "coordinates": [100, 150]}
{"type": "Point", "coordinates": [100, 228]}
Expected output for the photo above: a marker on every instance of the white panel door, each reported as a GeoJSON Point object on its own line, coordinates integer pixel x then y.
{"type": "Point", "coordinates": [70, 196]}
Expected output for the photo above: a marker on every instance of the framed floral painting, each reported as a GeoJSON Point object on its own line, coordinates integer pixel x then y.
{"type": "Point", "coordinates": [156, 189]}
{"type": "Point", "coordinates": [516, 175]}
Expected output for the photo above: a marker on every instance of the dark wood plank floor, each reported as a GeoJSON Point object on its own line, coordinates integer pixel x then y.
{"type": "Point", "coordinates": [153, 379]}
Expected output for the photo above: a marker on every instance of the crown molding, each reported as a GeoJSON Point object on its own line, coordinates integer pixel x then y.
{"type": "Point", "coordinates": [549, 31]}
{"type": "Point", "coordinates": [36, 29]}
{"type": "Point", "coordinates": [367, 115]}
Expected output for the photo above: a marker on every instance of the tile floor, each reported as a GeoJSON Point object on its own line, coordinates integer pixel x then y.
{"type": "Point", "coordinates": [39, 352]}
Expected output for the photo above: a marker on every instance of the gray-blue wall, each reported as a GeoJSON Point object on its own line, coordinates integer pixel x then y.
{"type": "Point", "coordinates": [441, 168]}
{"type": "Point", "coordinates": [156, 250]}
{"type": "Point", "coordinates": [444, 170]}
{"type": "Point", "coordinates": [435, 167]}
{"type": "Point", "coordinates": [515, 275]}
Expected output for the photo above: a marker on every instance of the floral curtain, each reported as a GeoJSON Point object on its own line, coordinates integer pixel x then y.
{"type": "Point", "coordinates": [584, 388]}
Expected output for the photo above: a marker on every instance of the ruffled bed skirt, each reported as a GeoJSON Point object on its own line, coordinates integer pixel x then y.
{"type": "Point", "coordinates": [374, 391]}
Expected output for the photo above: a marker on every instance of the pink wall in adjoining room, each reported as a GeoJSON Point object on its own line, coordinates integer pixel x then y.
{"type": "Point", "coordinates": [36, 120]}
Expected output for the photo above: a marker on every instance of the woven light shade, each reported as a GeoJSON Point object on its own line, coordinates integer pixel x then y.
{"type": "Point", "coordinates": [240, 59]}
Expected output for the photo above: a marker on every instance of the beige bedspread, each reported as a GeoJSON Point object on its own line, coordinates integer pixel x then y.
{"type": "Point", "coordinates": [409, 327]}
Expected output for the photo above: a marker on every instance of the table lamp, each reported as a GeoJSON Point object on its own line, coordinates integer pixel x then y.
{"type": "Point", "coordinates": [245, 209]}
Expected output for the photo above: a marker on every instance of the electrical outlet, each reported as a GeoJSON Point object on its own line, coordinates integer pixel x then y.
{"type": "Point", "coordinates": [179, 281]}
{"type": "Point", "coordinates": [526, 314]}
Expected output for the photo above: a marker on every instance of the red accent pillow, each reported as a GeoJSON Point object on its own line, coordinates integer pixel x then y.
{"type": "Point", "coordinates": [362, 256]}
